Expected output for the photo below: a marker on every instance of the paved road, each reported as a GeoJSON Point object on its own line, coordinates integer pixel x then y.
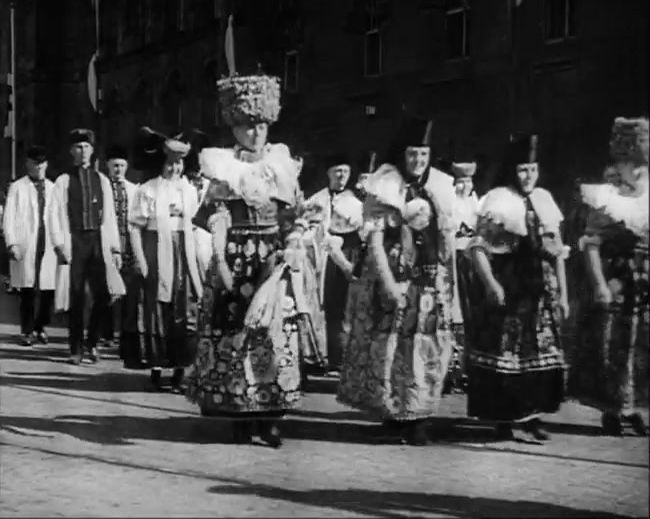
{"type": "Point", "coordinates": [89, 440]}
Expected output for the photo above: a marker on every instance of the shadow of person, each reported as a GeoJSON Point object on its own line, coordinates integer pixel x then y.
{"type": "Point", "coordinates": [120, 382]}
{"type": "Point", "coordinates": [37, 352]}
{"type": "Point", "coordinates": [394, 504]}
{"type": "Point", "coordinates": [332, 429]}
{"type": "Point", "coordinates": [123, 430]}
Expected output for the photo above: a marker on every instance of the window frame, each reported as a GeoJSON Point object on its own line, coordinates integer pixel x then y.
{"type": "Point", "coordinates": [380, 52]}
{"type": "Point", "coordinates": [180, 16]}
{"type": "Point", "coordinates": [287, 55]}
{"type": "Point", "coordinates": [566, 33]}
{"type": "Point", "coordinates": [463, 9]}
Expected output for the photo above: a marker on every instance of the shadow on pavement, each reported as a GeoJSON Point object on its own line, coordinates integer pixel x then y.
{"type": "Point", "coordinates": [96, 382]}
{"type": "Point", "coordinates": [393, 504]}
{"type": "Point", "coordinates": [38, 353]}
{"type": "Point", "coordinates": [123, 430]}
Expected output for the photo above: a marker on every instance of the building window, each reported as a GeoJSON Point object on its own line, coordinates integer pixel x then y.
{"type": "Point", "coordinates": [172, 101]}
{"type": "Point", "coordinates": [210, 113]}
{"type": "Point", "coordinates": [372, 53]}
{"type": "Point", "coordinates": [217, 9]}
{"type": "Point", "coordinates": [559, 19]}
{"type": "Point", "coordinates": [202, 13]}
{"type": "Point", "coordinates": [457, 25]}
{"type": "Point", "coordinates": [141, 103]}
{"type": "Point", "coordinates": [291, 71]}
{"type": "Point", "coordinates": [180, 21]}
{"type": "Point", "coordinates": [174, 15]}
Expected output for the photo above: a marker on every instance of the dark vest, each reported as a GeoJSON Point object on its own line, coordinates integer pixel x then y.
{"type": "Point", "coordinates": [85, 201]}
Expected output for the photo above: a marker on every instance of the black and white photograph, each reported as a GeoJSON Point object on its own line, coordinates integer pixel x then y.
{"type": "Point", "coordinates": [324, 258]}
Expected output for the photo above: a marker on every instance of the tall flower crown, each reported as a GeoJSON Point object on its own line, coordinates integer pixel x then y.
{"type": "Point", "coordinates": [629, 139]}
{"type": "Point", "coordinates": [249, 99]}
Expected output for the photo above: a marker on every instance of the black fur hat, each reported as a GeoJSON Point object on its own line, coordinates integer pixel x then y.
{"type": "Point", "coordinates": [37, 153]}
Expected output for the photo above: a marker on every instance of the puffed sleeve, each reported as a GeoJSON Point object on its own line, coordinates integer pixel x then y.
{"type": "Point", "coordinates": [385, 199]}
{"type": "Point", "coordinates": [142, 207]}
{"type": "Point", "coordinates": [492, 237]}
{"type": "Point", "coordinates": [375, 215]}
{"type": "Point", "coordinates": [551, 220]}
{"type": "Point", "coordinates": [598, 224]}
{"type": "Point", "coordinates": [212, 203]}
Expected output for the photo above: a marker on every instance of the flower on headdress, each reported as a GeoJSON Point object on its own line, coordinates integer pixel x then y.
{"type": "Point", "coordinates": [417, 213]}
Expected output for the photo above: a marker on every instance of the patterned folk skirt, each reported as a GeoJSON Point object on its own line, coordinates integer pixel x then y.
{"type": "Point", "coordinates": [515, 363]}
{"type": "Point", "coordinates": [457, 373]}
{"type": "Point", "coordinates": [395, 359]}
{"type": "Point", "coordinates": [609, 369]}
{"type": "Point", "coordinates": [249, 366]}
{"type": "Point", "coordinates": [168, 327]}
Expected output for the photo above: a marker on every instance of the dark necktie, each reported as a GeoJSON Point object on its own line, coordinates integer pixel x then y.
{"type": "Point", "coordinates": [532, 223]}
{"type": "Point", "coordinates": [39, 184]}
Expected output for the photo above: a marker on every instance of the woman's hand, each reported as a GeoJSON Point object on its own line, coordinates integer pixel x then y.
{"type": "Point", "coordinates": [602, 294]}
{"type": "Point", "coordinates": [226, 275]}
{"type": "Point", "coordinates": [496, 294]}
{"type": "Point", "coordinates": [564, 307]}
{"type": "Point", "coordinates": [141, 266]}
{"type": "Point", "coordinates": [395, 293]}
{"type": "Point", "coordinates": [349, 275]}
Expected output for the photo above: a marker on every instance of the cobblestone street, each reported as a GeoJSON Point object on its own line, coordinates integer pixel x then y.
{"type": "Point", "coordinates": [90, 441]}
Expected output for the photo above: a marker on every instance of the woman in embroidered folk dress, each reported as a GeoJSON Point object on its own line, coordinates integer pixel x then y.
{"type": "Point", "coordinates": [401, 340]}
{"type": "Point", "coordinates": [163, 245]}
{"type": "Point", "coordinates": [610, 368]}
{"type": "Point", "coordinates": [465, 216]}
{"type": "Point", "coordinates": [248, 363]}
{"type": "Point", "coordinates": [516, 365]}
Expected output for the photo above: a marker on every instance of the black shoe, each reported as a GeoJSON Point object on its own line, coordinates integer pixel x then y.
{"type": "Point", "coordinates": [534, 428]}
{"type": "Point", "coordinates": [26, 339]}
{"type": "Point", "coordinates": [93, 355]}
{"type": "Point", "coordinates": [504, 431]}
{"type": "Point", "coordinates": [637, 423]}
{"type": "Point", "coordinates": [242, 432]}
{"type": "Point", "coordinates": [42, 337]}
{"type": "Point", "coordinates": [270, 434]}
{"type": "Point", "coordinates": [177, 381]}
{"type": "Point", "coordinates": [392, 426]}
{"type": "Point", "coordinates": [612, 425]}
{"type": "Point", "coordinates": [417, 434]}
{"type": "Point", "coordinates": [155, 383]}
{"type": "Point", "coordinates": [207, 412]}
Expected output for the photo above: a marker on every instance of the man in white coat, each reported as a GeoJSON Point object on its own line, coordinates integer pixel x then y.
{"type": "Point", "coordinates": [342, 219]}
{"type": "Point", "coordinates": [87, 244]}
{"type": "Point", "coordinates": [32, 258]}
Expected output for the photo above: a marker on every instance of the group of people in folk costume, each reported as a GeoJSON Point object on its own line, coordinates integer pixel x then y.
{"type": "Point", "coordinates": [221, 271]}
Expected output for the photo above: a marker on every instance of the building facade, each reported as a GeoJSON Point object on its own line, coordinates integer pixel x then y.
{"type": "Point", "coordinates": [351, 69]}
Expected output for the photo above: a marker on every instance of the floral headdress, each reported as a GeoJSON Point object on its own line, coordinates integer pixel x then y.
{"type": "Point", "coordinates": [249, 99]}
{"type": "Point", "coordinates": [629, 140]}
